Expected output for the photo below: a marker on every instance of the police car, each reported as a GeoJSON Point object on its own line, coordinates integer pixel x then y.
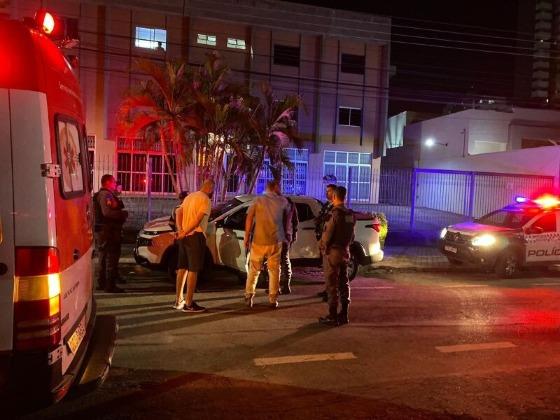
{"type": "Point", "coordinates": [523, 234]}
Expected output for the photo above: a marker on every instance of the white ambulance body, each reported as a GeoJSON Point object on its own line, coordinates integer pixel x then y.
{"type": "Point", "coordinates": [47, 309]}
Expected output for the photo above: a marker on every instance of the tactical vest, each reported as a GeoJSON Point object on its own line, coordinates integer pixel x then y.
{"type": "Point", "coordinates": [343, 234]}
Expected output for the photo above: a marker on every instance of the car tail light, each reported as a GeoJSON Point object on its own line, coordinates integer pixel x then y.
{"type": "Point", "coordinates": [37, 298]}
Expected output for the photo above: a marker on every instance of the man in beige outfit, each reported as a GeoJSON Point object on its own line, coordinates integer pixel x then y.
{"type": "Point", "coordinates": [265, 231]}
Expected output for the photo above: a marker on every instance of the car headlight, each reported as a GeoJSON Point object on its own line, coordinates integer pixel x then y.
{"type": "Point", "coordinates": [484, 240]}
{"type": "Point", "coordinates": [443, 233]}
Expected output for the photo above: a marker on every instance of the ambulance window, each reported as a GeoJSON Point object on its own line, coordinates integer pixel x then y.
{"type": "Point", "coordinates": [547, 223]}
{"type": "Point", "coordinates": [70, 157]}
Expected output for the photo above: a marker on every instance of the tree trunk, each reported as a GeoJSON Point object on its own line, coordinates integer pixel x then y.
{"type": "Point", "coordinates": [229, 168]}
{"type": "Point", "coordinates": [168, 166]}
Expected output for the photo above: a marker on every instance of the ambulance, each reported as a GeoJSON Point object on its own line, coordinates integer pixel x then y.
{"type": "Point", "coordinates": [524, 234]}
{"type": "Point", "coordinates": [50, 337]}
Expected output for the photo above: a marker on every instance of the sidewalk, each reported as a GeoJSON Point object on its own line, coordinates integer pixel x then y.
{"type": "Point", "coordinates": [421, 258]}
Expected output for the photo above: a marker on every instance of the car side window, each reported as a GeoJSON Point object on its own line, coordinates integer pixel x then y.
{"type": "Point", "coordinates": [547, 223]}
{"type": "Point", "coordinates": [237, 220]}
{"type": "Point", "coordinates": [304, 212]}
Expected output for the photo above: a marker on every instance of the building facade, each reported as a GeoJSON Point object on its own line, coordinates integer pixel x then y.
{"type": "Point", "coordinates": [337, 61]}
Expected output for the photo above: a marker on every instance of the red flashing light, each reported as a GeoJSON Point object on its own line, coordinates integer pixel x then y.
{"type": "Point", "coordinates": [547, 201]}
{"type": "Point", "coordinates": [45, 21]}
{"type": "Point", "coordinates": [36, 261]}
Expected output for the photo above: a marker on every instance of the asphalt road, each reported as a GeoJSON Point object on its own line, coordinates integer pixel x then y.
{"type": "Point", "coordinates": [419, 345]}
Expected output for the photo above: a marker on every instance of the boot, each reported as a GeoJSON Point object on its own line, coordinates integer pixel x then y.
{"type": "Point", "coordinates": [343, 315]}
{"type": "Point", "coordinates": [331, 319]}
{"type": "Point", "coordinates": [249, 301]}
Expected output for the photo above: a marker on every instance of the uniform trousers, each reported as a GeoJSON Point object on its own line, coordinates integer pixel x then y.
{"type": "Point", "coordinates": [108, 242]}
{"type": "Point", "coordinates": [335, 265]}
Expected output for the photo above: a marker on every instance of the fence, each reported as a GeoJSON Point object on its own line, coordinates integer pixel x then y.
{"type": "Point", "coordinates": [425, 200]}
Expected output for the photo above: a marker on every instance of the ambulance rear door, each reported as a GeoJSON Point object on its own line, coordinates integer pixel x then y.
{"type": "Point", "coordinates": [7, 259]}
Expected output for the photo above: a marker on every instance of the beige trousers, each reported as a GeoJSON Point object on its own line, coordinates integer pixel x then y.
{"type": "Point", "coordinates": [256, 258]}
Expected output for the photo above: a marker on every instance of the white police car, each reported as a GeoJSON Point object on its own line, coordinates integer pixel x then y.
{"type": "Point", "coordinates": [523, 234]}
{"type": "Point", "coordinates": [226, 232]}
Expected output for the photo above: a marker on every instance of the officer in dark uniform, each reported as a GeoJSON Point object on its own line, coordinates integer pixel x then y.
{"type": "Point", "coordinates": [335, 242]}
{"type": "Point", "coordinates": [109, 218]}
{"type": "Point", "coordinates": [320, 221]}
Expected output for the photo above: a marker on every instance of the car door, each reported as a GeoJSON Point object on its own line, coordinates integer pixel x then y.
{"type": "Point", "coordinates": [543, 240]}
{"type": "Point", "coordinates": [306, 245]}
{"type": "Point", "coordinates": [230, 242]}
{"type": "Point", "coordinates": [7, 258]}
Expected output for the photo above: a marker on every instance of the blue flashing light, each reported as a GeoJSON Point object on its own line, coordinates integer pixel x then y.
{"type": "Point", "coordinates": [521, 199]}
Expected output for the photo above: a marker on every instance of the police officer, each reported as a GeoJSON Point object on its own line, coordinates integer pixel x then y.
{"type": "Point", "coordinates": [335, 242]}
{"type": "Point", "coordinates": [109, 218]}
{"type": "Point", "coordinates": [320, 221]}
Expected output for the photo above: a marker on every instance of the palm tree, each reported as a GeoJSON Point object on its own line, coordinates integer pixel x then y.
{"type": "Point", "coordinates": [161, 108]}
{"type": "Point", "coordinates": [274, 129]}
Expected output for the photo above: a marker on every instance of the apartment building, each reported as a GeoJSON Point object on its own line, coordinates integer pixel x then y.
{"type": "Point", "coordinates": [337, 61]}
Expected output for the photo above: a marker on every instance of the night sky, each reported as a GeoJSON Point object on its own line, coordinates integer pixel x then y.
{"type": "Point", "coordinates": [453, 65]}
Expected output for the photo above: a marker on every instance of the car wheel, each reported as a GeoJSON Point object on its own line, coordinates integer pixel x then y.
{"type": "Point", "coordinates": [172, 264]}
{"type": "Point", "coordinates": [508, 264]}
{"type": "Point", "coordinates": [352, 268]}
{"type": "Point", "coordinates": [453, 261]}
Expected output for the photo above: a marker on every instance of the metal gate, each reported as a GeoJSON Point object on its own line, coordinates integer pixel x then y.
{"type": "Point", "coordinates": [426, 200]}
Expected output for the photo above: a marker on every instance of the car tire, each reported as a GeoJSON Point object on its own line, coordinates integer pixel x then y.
{"type": "Point", "coordinates": [507, 265]}
{"type": "Point", "coordinates": [454, 261]}
{"type": "Point", "coordinates": [353, 265]}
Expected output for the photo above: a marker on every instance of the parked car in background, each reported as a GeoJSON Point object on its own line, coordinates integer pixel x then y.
{"type": "Point", "coordinates": [226, 233]}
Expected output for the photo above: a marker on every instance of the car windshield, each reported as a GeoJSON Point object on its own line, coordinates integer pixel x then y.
{"type": "Point", "coordinates": [224, 207]}
{"type": "Point", "coordinates": [514, 219]}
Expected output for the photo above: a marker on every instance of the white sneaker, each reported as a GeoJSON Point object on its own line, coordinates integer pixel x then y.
{"type": "Point", "coordinates": [179, 306]}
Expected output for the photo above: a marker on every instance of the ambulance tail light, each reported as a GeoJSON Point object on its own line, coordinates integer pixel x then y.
{"type": "Point", "coordinates": [37, 298]}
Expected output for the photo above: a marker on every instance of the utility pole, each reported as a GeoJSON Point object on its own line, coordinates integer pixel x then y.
{"type": "Point", "coordinates": [465, 145]}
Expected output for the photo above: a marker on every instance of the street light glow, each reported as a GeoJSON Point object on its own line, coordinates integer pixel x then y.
{"type": "Point", "coordinates": [430, 142]}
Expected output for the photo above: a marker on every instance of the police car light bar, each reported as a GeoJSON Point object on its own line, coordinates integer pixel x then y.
{"type": "Point", "coordinates": [521, 199]}
{"type": "Point", "coordinates": [547, 201]}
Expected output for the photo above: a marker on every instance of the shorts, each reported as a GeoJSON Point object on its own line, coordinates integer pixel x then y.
{"type": "Point", "coordinates": [192, 250]}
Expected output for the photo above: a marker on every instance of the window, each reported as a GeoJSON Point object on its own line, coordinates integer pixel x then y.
{"type": "Point", "coordinates": [70, 157]}
{"type": "Point", "coordinates": [237, 220]}
{"type": "Point", "coordinates": [304, 212]}
{"type": "Point", "coordinates": [547, 223]}
{"type": "Point", "coordinates": [286, 56]}
{"type": "Point", "coordinates": [133, 156]}
{"type": "Point", "coordinates": [294, 182]}
{"type": "Point", "coordinates": [150, 38]}
{"type": "Point", "coordinates": [351, 117]}
{"type": "Point", "coordinates": [236, 43]}
{"type": "Point", "coordinates": [206, 39]}
{"type": "Point", "coordinates": [352, 170]}
{"type": "Point", "coordinates": [350, 63]}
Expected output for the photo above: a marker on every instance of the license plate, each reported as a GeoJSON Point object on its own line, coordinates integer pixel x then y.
{"type": "Point", "coordinates": [76, 338]}
{"type": "Point", "coordinates": [450, 249]}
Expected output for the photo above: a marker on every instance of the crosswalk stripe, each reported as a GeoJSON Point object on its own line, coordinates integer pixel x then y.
{"type": "Point", "coordinates": [303, 358]}
{"type": "Point", "coordinates": [474, 347]}
{"type": "Point", "coordinates": [457, 286]}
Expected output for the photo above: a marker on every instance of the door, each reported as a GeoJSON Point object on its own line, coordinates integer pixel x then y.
{"type": "Point", "coordinates": [7, 259]}
{"type": "Point", "coordinates": [543, 240]}
{"type": "Point", "coordinates": [230, 245]}
{"type": "Point", "coordinates": [306, 245]}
